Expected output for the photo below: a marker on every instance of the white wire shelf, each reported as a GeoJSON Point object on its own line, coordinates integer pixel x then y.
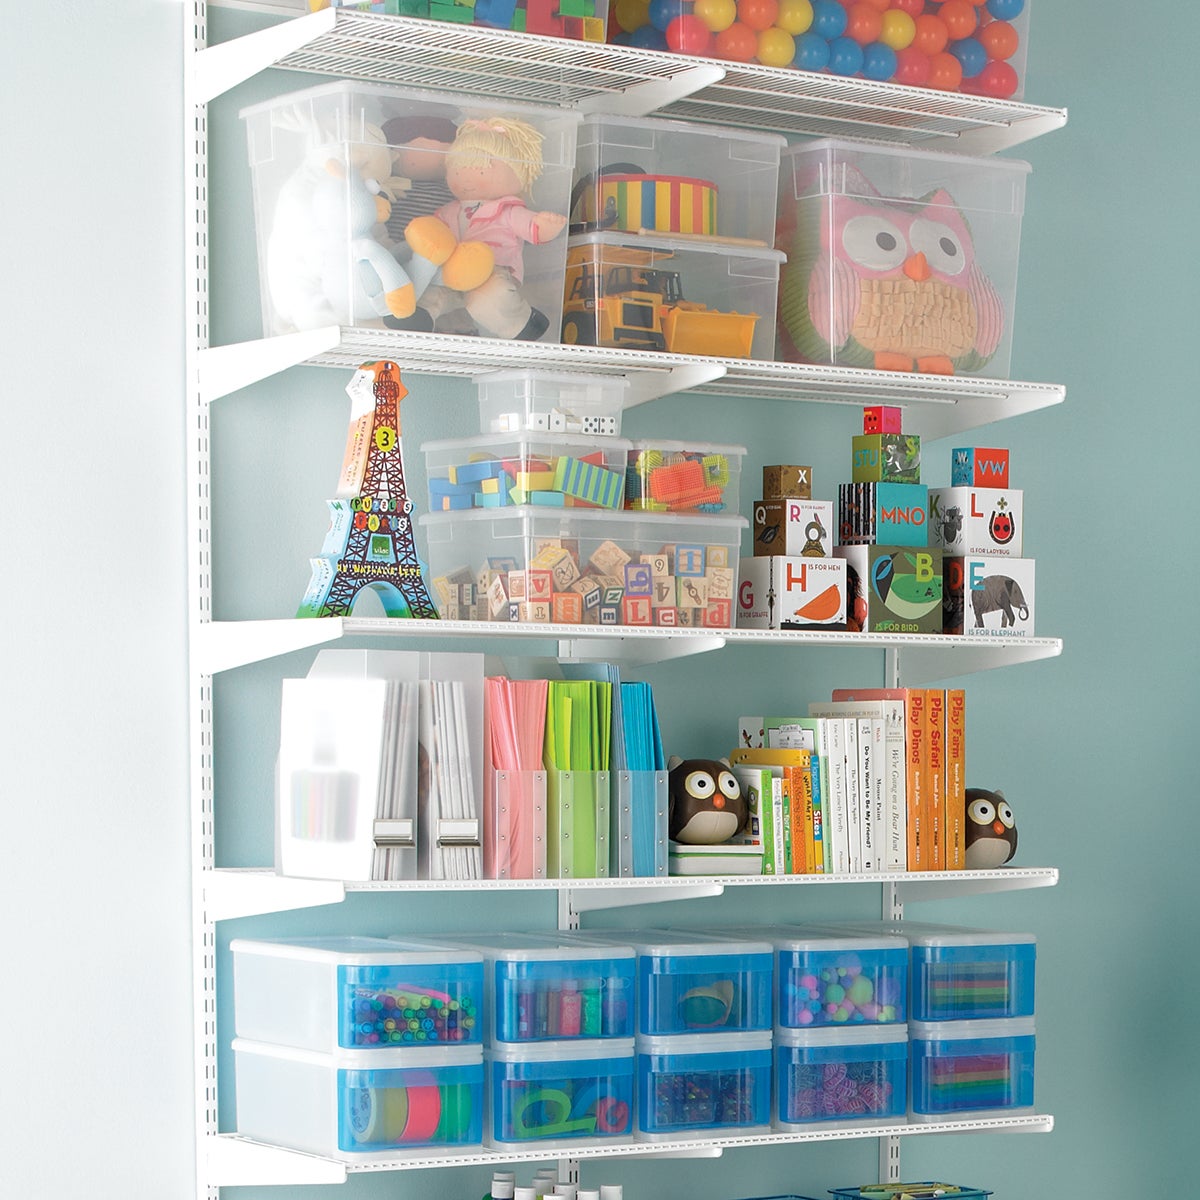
{"type": "Point", "coordinates": [501, 64]}
{"type": "Point", "coordinates": [237, 1161]}
{"type": "Point", "coordinates": [936, 405]}
{"type": "Point", "coordinates": [231, 892]}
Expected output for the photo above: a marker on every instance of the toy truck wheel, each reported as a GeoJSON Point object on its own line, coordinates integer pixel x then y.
{"type": "Point", "coordinates": [579, 329]}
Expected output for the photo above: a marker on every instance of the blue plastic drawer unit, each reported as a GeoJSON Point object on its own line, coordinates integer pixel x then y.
{"type": "Point", "coordinates": [695, 1083]}
{"type": "Point", "coordinates": [356, 993]}
{"type": "Point", "coordinates": [971, 974]}
{"type": "Point", "coordinates": [840, 1074]}
{"type": "Point", "coordinates": [359, 1104]}
{"type": "Point", "coordinates": [542, 988]}
{"type": "Point", "coordinates": [553, 1090]}
{"type": "Point", "coordinates": [971, 1067]}
{"type": "Point", "coordinates": [695, 983]}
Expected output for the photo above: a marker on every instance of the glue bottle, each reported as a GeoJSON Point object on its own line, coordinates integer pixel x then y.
{"type": "Point", "coordinates": [610, 1191]}
{"type": "Point", "coordinates": [503, 1186]}
{"type": "Point", "coordinates": [565, 1191]}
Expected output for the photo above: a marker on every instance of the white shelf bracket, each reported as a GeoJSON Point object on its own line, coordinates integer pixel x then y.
{"type": "Point", "coordinates": [221, 370]}
{"type": "Point", "coordinates": [222, 645]}
{"type": "Point", "coordinates": [634, 651]}
{"type": "Point", "coordinates": [216, 69]}
{"type": "Point", "coordinates": [642, 99]}
{"type": "Point", "coordinates": [595, 899]}
{"type": "Point", "coordinates": [235, 1162]}
{"type": "Point", "coordinates": [249, 893]}
{"type": "Point", "coordinates": [650, 385]}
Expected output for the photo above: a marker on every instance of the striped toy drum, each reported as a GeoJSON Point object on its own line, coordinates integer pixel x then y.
{"type": "Point", "coordinates": [663, 203]}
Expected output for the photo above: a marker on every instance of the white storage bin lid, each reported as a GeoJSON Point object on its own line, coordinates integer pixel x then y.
{"type": "Point", "coordinates": [961, 1030]}
{"type": "Point", "coordinates": [1016, 166]}
{"type": "Point", "coordinates": [558, 1051]}
{"type": "Point", "coordinates": [423, 1057]}
{"type": "Point", "coordinates": [486, 441]}
{"type": "Point", "coordinates": [951, 936]}
{"type": "Point", "coordinates": [841, 1035]}
{"type": "Point", "coordinates": [667, 125]}
{"type": "Point", "coordinates": [712, 245]}
{"type": "Point", "coordinates": [350, 950]}
{"type": "Point", "coordinates": [682, 942]}
{"type": "Point", "coordinates": [673, 447]}
{"type": "Point", "coordinates": [704, 1043]}
{"type": "Point", "coordinates": [535, 947]}
{"type": "Point", "coordinates": [565, 378]}
{"type": "Point", "coordinates": [818, 939]}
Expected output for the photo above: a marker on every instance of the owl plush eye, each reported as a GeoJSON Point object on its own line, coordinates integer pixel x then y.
{"type": "Point", "coordinates": [874, 242]}
{"type": "Point", "coordinates": [728, 785]}
{"type": "Point", "coordinates": [1006, 815]}
{"type": "Point", "coordinates": [982, 812]}
{"type": "Point", "coordinates": [699, 784]}
{"type": "Point", "coordinates": [940, 245]}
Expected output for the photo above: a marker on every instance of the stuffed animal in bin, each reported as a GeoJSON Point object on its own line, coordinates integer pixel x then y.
{"type": "Point", "coordinates": [991, 830]}
{"type": "Point", "coordinates": [706, 805]}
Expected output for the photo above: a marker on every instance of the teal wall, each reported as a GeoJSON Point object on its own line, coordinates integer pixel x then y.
{"type": "Point", "coordinates": [1093, 748]}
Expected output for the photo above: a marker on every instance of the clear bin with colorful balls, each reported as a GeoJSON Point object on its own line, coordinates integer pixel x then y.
{"type": "Point", "coordinates": [898, 259]}
{"type": "Point", "coordinates": [358, 1105]}
{"type": "Point", "coordinates": [360, 993]}
{"type": "Point", "coordinates": [838, 978]}
{"type": "Point", "coordinates": [973, 46]}
{"type": "Point", "coordinates": [683, 477]}
{"type": "Point", "coordinates": [840, 1074]}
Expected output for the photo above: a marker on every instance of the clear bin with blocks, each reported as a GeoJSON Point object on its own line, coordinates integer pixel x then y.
{"type": "Point", "coordinates": [557, 470]}
{"type": "Point", "coordinates": [646, 175]}
{"type": "Point", "coordinates": [383, 207]}
{"type": "Point", "coordinates": [685, 477]}
{"type": "Point", "coordinates": [548, 402]}
{"type": "Point", "coordinates": [898, 259]}
{"type": "Point", "coordinates": [356, 993]}
{"type": "Point", "coordinates": [583, 566]}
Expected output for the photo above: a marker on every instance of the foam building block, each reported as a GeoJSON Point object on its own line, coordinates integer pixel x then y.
{"type": "Point", "coordinates": [968, 520]}
{"type": "Point", "coordinates": [986, 596]}
{"type": "Point", "coordinates": [893, 589]}
{"type": "Point", "coordinates": [803, 528]}
{"type": "Point", "coordinates": [975, 466]}
{"type": "Point", "coordinates": [788, 592]}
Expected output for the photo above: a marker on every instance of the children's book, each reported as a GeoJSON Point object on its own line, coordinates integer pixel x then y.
{"type": "Point", "coordinates": [790, 792]}
{"type": "Point", "coordinates": [956, 787]}
{"type": "Point", "coordinates": [756, 784]}
{"type": "Point", "coordinates": [935, 715]}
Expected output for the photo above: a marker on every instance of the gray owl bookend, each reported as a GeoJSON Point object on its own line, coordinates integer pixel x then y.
{"type": "Point", "coordinates": [706, 805]}
{"type": "Point", "coordinates": [991, 833]}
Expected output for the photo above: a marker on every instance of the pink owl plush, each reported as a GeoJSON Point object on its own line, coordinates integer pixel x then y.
{"type": "Point", "coordinates": [888, 285]}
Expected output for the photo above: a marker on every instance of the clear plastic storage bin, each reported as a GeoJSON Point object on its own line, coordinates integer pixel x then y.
{"type": "Point", "coordinates": [581, 566]}
{"type": "Point", "coordinates": [670, 295]}
{"type": "Point", "coordinates": [341, 171]}
{"type": "Point", "coordinates": [560, 1090]}
{"type": "Point", "coordinates": [537, 401]}
{"type": "Point", "coordinates": [359, 1105]}
{"type": "Point", "coordinates": [971, 974]}
{"type": "Point", "coordinates": [361, 993]}
{"type": "Point", "coordinates": [684, 477]}
{"type": "Point", "coordinates": [556, 470]}
{"type": "Point", "coordinates": [584, 20]}
{"type": "Point", "coordinates": [972, 1067]}
{"type": "Point", "coordinates": [840, 1074]}
{"type": "Point", "coordinates": [703, 1084]}
{"type": "Point", "coordinates": [647, 175]}
{"type": "Point", "coordinates": [898, 259]}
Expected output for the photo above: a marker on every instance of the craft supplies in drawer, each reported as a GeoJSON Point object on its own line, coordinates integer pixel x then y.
{"type": "Point", "coordinates": [840, 1074]}
{"type": "Point", "coordinates": [357, 1104]}
{"type": "Point", "coordinates": [971, 974]}
{"type": "Point", "coordinates": [540, 401]}
{"type": "Point", "coordinates": [926, 1189]}
{"type": "Point", "coordinates": [971, 1066]}
{"type": "Point", "coordinates": [554, 1090]}
{"type": "Point", "coordinates": [543, 988]}
{"type": "Point", "coordinates": [695, 1083]}
{"type": "Point", "coordinates": [685, 477]}
{"type": "Point", "coordinates": [372, 994]}
{"type": "Point", "coordinates": [647, 175]}
{"type": "Point", "coordinates": [555, 469]}
{"type": "Point", "coordinates": [898, 259]}
{"type": "Point", "coordinates": [583, 567]}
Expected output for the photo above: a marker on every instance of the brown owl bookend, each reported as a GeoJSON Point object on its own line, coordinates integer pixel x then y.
{"type": "Point", "coordinates": [705, 802]}
{"type": "Point", "coordinates": [991, 830]}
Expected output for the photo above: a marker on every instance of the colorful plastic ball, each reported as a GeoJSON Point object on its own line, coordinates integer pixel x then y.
{"type": "Point", "coordinates": [812, 52]}
{"type": "Point", "coordinates": [864, 22]}
{"type": "Point", "coordinates": [689, 35]}
{"type": "Point", "coordinates": [795, 16]}
{"type": "Point", "coordinates": [931, 35]}
{"type": "Point", "coordinates": [776, 47]}
{"type": "Point", "coordinates": [716, 14]}
{"type": "Point", "coordinates": [738, 43]}
{"type": "Point", "coordinates": [880, 6]}
{"type": "Point", "coordinates": [757, 14]}
{"type": "Point", "coordinates": [845, 56]}
{"type": "Point", "coordinates": [946, 71]}
{"type": "Point", "coordinates": [1005, 10]}
{"type": "Point", "coordinates": [998, 80]}
{"type": "Point", "coordinates": [897, 29]}
{"type": "Point", "coordinates": [912, 67]}
{"type": "Point", "coordinates": [879, 62]}
{"type": "Point", "coordinates": [648, 38]}
{"type": "Point", "coordinates": [829, 19]}
{"type": "Point", "coordinates": [632, 14]}
{"type": "Point", "coordinates": [971, 56]}
{"type": "Point", "coordinates": [959, 18]}
{"type": "Point", "coordinates": [914, 8]}
{"type": "Point", "coordinates": [663, 12]}
{"type": "Point", "coordinates": [999, 39]}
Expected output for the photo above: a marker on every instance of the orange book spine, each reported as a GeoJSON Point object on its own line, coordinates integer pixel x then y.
{"type": "Point", "coordinates": [800, 786]}
{"type": "Point", "coordinates": [935, 764]}
{"type": "Point", "coordinates": [956, 777]}
{"type": "Point", "coordinates": [916, 735]}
